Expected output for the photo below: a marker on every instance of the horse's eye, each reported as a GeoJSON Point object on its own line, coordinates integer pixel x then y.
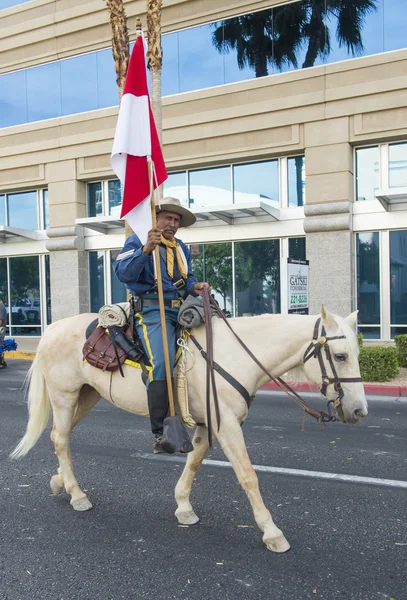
{"type": "Point", "coordinates": [341, 357]}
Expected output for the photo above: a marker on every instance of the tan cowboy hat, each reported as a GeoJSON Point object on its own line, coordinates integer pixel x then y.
{"type": "Point", "coordinates": [174, 205]}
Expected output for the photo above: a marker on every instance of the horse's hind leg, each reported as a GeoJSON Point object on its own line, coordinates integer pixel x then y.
{"type": "Point", "coordinates": [185, 513]}
{"type": "Point", "coordinates": [64, 406]}
{"type": "Point", "coordinates": [88, 397]}
{"type": "Point", "coordinates": [231, 439]}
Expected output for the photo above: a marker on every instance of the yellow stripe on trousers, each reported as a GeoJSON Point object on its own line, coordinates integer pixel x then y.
{"type": "Point", "coordinates": [147, 342]}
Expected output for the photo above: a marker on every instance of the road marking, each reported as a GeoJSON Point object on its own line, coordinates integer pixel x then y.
{"type": "Point", "coordinates": [394, 483]}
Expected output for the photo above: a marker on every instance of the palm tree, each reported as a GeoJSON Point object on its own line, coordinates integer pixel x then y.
{"type": "Point", "coordinates": [350, 15]}
{"type": "Point", "coordinates": [274, 36]}
{"type": "Point", "coordinates": [120, 41]}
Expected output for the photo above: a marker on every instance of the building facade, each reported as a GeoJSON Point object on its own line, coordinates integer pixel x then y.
{"type": "Point", "coordinates": [284, 130]}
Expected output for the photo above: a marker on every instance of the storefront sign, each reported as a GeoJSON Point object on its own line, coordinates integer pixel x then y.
{"type": "Point", "coordinates": [298, 284]}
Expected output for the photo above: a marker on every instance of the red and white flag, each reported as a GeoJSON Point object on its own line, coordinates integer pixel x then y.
{"type": "Point", "coordinates": [136, 142]}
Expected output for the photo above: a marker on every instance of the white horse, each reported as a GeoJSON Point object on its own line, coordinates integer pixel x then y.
{"type": "Point", "coordinates": [62, 380]}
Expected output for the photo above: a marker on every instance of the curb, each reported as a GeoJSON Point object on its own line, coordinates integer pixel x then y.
{"type": "Point", "coordinates": [17, 354]}
{"type": "Point", "coordinates": [370, 390]}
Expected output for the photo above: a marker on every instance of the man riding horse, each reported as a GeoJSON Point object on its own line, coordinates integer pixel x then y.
{"type": "Point", "coordinates": [134, 267]}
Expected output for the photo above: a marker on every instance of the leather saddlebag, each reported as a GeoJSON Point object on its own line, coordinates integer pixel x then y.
{"type": "Point", "coordinates": [100, 352]}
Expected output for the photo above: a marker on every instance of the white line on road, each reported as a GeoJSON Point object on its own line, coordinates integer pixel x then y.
{"type": "Point", "coordinates": [395, 483]}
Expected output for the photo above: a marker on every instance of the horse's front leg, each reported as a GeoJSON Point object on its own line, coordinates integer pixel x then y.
{"type": "Point", "coordinates": [231, 439]}
{"type": "Point", "coordinates": [185, 513]}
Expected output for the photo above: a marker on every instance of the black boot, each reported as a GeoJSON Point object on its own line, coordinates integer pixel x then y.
{"type": "Point", "coordinates": [157, 405]}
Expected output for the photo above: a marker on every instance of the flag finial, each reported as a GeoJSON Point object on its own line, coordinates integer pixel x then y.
{"type": "Point", "coordinates": [139, 29]}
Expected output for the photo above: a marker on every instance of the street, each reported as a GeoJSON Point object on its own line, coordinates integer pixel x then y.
{"type": "Point", "coordinates": [348, 538]}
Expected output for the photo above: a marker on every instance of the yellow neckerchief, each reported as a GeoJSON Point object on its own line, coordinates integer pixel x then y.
{"type": "Point", "coordinates": [173, 245]}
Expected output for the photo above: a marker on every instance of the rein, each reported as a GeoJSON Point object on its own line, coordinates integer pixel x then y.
{"type": "Point", "coordinates": [313, 350]}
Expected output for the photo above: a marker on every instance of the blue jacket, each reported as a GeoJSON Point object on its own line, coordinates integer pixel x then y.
{"type": "Point", "coordinates": [135, 269]}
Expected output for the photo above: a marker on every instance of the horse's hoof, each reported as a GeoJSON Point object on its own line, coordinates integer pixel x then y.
{"type": "Point", "coordinates": [56, 488]}
{"type": "Point", "coordinates": [187, 518]}
{"type": "Point", "coordinates": [82, 504]}
{"type": "Point", "coordinates": [278, 544]}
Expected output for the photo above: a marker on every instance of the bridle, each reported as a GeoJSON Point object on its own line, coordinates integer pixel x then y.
{"type": "Point", "coordinates": [314, 350]}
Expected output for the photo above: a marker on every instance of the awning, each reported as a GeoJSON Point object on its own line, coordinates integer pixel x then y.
{"type": "Point", "coordinates": [392, 197]}
{"type": "Point", "coordinates": [7, 233]}
{"type": "Point", "coordinates": [230, 214]}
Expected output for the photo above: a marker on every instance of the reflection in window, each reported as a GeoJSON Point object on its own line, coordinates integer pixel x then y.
{"type": "Point", "coordinates": [257, 272]}
{"type": "Point", "coordinates": [2, 210]}
{"type": "Point", "coordinates": [8, 3]}
{"type": "Point", "coordinates": [25, 311]}
{"type": "Point", "coordinates": [398, 277]}
{"type": "Point", "coordinates": [4, 286]}
{"type": "Point", "coordinates": [209, 187]}
{"type": "Point", "coordinates": [213, 263]}
{"type": "Point", "coordinates": [367, 173]}
{"type": "Point", "coordinates": [176, 187]}
{"type": "Point", "coordinates": [13, 99]}
{"type": "Point", "coordinates": [296, 181]}
{"type": "Point", "coordinates": [398, 165]}
{"type": "Point", "coordinates": [296, 248]}
{"type": "Point", "coordinates": [45, 208]}
{"type": "Point", "coordinates": [22, 210]}
{"type": "Point", "coordinates": [370, 333]}
{"type": "Point", "coordinates": [118, 289]}
{"type": "Point", "coordinates": [96, 280]}
{"type": "Point", "coordinates": [94, 199]}
{"type": "Point", "coordinates": [256, 181]}
{"type": "Point", "coordinates": [48, 288]}
{"type": "Point", "coordinates": [368, 278]}
{"type": "Point", "coordinates": [44, 92]}
{"type": "Point", "coordinates": [114, 191]}
{"type": "Point", "coordinates": [79, 84]}
{"type": "Point", "coordinates": [107, 94]}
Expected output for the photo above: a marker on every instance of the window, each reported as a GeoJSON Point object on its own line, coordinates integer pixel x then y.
{"type": "Point", "coordinates": [209, 187]}
{"type": "Point", "coordinates": [213, 263]}
{"type": "Point", "coordinates": [118, 289]}
{"type": "Point", "coordinates": [104, 286]}
{"type": "Point", "coordinates": [2, 209]}
{"type": "Point", "coordinates": [8, 3]}
{"type": "Point", "coordinates": [398, 165]}
{"type": "Point", "coordinates": [25, 311]}
{"type": "Point", "coordinates": [104, 198]}
{"type": "Point", "coordinates": [398, 282]}
{"type": "Point", "coordinates": [94, 199]}
{"type": "Point", "coordinates": [176, 186]}
{"type": "Point", "coordinates": [296, 180]}
{"type": "Point", "coordinates": [257, 274]}
{"type": "Point", "coordinates": [45, 209]}
{"type": "Point", "coordinates": [114, 191]}
{"type": "Point", "coordinates": [367, 173]}
{"type": "Point", "coordinates": [368, 283]}
{"type": "Point", "coordinates": [256, 181]}
{"type": "Point", "coordinates": [296, 248]}
{"type": "Point", "coordinates": [22, 210]}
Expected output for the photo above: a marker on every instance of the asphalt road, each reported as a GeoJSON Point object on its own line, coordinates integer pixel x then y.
{"type": "Point", "coordinates": [348, 539]}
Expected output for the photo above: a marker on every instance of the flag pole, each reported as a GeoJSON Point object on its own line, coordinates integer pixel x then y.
{"type": "Point", "coordinates": [157, 266]}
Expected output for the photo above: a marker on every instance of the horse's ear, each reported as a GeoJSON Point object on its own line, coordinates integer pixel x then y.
{"type": "Point", "coordinates": [352, 320]}
{"type": "Point", "coordinates": [327, 318]}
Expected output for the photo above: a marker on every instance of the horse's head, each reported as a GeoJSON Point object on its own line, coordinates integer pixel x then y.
{"type": "Point", "coordinates": [331, 361]}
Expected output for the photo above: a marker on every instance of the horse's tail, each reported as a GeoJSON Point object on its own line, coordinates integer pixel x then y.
{"type": "Point", "coordinates": [38, 408]}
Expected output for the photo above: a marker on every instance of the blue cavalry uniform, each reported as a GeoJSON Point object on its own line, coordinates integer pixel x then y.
{"type": "Point", "coordinates": [135, 269]}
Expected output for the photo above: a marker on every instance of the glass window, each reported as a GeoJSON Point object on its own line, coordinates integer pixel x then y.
{"type": "Point", "coordinates": [94, 199]}
{"type": "Point", "coordinates": [79, 84]}
{"type": "Point", "coordinates": [2, 210]}
{"type": "Point", "coordinates": [45, 208]}
{"type": "Point", "coordinates": [25, 295]}
{"type": "Point", "coordinates": [44, 91]}
{"type": "Point", "coordinates": [257, 272]}
{"type": "Point", "coordinates": [398, 277]}
{"type": "Point", "coordinates": [367, 173]}
{"type": "Point", "coordinates": [256, 181]}
{"type": "Point", "coordinates": [22, 210]}
{"type": "Point", "coordinates": [170, 73]}
{"type": "Point", "coordinates": [200, 64]}
{"type": "Point", "coordinates": [398, 331]}
{"type": "Point", "coordinates": [370, 333]}
{"type": "Point", "coordinates": [4, 285]}
{"type": "Point", "coordinates": [213, 263]}
{"type": "Point", "coordinates": [176, 186]}
{"type": "Point", "coordinates": [398, 165]}
{"type": "Point", "coordinates": [296, 248]}
{"type": "Point", "coordinates": [118, 291]}
{"type": "Point", "coordinates": [48, 288]}
{"type": "Point", "coordinates": [368, 278]}
{"type": "Point", "coordinates": [96, 280]}
{"type": "Point", "coordinates": [209, 187]}
{"type": "Point", "coordinates": [394, 23]}
{"type": "Point", "coordinates": [107, 94]}
{"type": "Point", "coordinates": [8, 3]}
{"type": "Point", "coordinates": [13, 98]}
{"type": "Point", "coordinates": [114, 190]}
{"type": "Point", "coordinates": [296, 180]}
